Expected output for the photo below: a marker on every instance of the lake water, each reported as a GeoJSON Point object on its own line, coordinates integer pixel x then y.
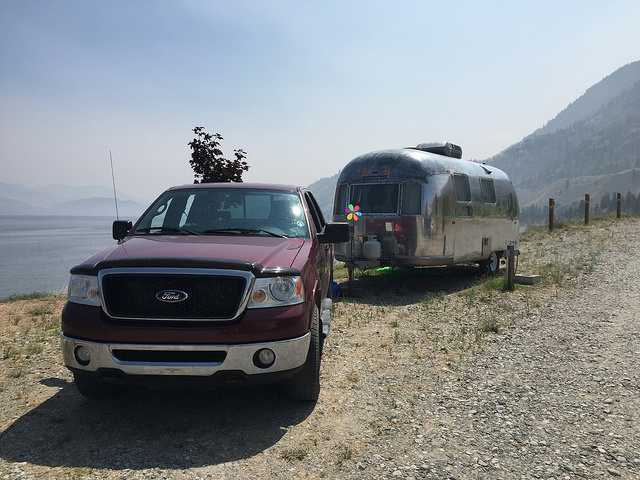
{"type": "Point", "coordinates": [36, 252]}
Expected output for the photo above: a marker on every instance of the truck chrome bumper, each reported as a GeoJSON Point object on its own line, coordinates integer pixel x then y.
{"type": "Point", "coordinates": [182, 360]}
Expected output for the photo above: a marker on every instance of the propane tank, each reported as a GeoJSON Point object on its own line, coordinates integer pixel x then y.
{"type": "Point", "coordinates": [357, 248]}
{"type": "Point", "coordinates": [371, 249]}
{"type": "Point", "coordinates": [390, 245]}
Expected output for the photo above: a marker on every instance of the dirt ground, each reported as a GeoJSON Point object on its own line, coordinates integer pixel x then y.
{"type": "Point", "coordinates": [429, 374]}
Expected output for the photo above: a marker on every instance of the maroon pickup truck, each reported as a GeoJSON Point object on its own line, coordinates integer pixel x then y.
{"type": "Point", "coordinates": [215, 284]}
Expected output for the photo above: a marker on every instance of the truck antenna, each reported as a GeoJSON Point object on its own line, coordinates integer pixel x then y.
{"type": "Point", "coordinates": [113, 179]}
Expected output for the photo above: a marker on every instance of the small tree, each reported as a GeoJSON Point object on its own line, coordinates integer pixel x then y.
{"type": "Point", "coordinates": [208, 162]}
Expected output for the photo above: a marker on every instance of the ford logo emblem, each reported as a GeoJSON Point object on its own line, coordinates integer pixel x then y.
{"type": "Point", "coordinates": [171, 296]}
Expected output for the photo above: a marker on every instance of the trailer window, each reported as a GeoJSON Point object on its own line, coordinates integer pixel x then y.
{"type": "Point", "coordinates": [464, 211]}
{"type": "Point", "coordinates": [463, 191]}
{"type": "Point", "coordinates": [488, 191]}
{"type": "Point", "coordinates": [376, 198]}
{"type": "Point", "coordinates": [411, 198]}
{"type": "Point", "coordinates": [340, 200]}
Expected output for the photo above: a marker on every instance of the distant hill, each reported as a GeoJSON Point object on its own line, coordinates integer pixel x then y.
{"type": "Point", "coordinates": [323, 191]}
{"type": "Point", "coordinates": [594, 98]}
{"type": "Point", "coordinates": [592, 146]}
{"type": "Point", "coordinates": [10, 206]}
{"type": "Point", "coordinates": [18, 199]}
{"type": "Point", "coordinates": [598, 153]}
{"type": "Point", "coordinates": [101, 206]}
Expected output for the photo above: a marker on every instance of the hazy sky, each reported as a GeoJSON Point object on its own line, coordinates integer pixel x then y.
{"type": "Point", "coordinates": [302, 86]}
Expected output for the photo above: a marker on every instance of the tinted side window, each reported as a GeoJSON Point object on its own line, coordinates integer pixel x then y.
{"type": "Point", "coordinates": [463, 190]}
{"type": "Point", "coordinates": [411, 198]}
{"type": "Point", "coordinates": [340, 200]}
{"type": "Point", "coordinates": [488, 191]}
{"type": "Point", "coordinates": [316, 214]}
{"type": "Point", "coordinates": [464, 211]}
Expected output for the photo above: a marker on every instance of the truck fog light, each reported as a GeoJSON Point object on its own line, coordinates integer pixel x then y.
{"type": "Point", "coordinates": [259, 296]}
{"type": "Point", "coordinates": [264, 358]}
{"type": "Point", "coordinates": [83, 357]}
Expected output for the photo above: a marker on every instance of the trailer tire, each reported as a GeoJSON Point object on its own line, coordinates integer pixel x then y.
{"type": "Point", "coordinates": [491, 265]}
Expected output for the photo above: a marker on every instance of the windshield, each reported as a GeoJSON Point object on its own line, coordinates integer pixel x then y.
{"type": "Point", "coordinates": [225, 211]}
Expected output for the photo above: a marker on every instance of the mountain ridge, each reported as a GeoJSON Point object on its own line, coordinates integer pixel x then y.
{"type": "Point", "coordinates": [17, 199]}
{"type": "Point", "coordinates": [594, 98]}
{"type": "Point", "coordinates": [605, 143]}
{"type": "Point", "coordinates": [592, 146]}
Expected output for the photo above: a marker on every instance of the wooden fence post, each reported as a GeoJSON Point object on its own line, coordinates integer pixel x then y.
{"type": "Point", "coordinates": [511, 269]}
{"type": "Point", "coordinates": [586, 208]}
{"type": "Point", "coordinates": [618, 202]}
{"type": "Point", "coordinates": [551, 205]}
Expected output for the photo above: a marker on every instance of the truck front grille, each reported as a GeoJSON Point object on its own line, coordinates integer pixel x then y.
{"type": "Point", "coordinates": [132, 295]}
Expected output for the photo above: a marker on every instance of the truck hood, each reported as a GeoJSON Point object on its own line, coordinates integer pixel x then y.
{"type": "Point", "coordinates": [246, 253]}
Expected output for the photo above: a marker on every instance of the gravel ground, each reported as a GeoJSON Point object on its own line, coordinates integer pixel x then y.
{"type": "Point", "coordinates": [427, 375]}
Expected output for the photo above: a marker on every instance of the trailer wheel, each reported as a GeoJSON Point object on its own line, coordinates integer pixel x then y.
{"type": "Point", "coordinates": [492, 264]}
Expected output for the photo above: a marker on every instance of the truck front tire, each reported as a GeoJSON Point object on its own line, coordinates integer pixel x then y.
{"type": "Point", "coordinates": [305, 385]}
{"type": "Point", "coordinates": [90, 386]}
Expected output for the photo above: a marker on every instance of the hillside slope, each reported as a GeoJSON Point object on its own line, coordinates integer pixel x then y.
{"type": "Point", "coordinates": [18, 199]}
{"type": "Point", "coordinates": [592, 146]}
{"type": "Point", "coordinates": [596, 97]}
{"type": "Point", "coordinates": [599, 155]}
{"type": "Point", "coordinates": [323, 191]}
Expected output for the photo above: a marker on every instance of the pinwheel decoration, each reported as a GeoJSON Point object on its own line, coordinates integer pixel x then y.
{"type": "Point", "coordinates": [353, 212]}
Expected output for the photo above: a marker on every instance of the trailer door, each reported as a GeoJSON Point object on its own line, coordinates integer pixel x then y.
{"type": "Point", "coordinates": [468, 240]}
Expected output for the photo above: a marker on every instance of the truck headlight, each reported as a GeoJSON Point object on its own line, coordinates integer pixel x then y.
{"type": "Point", "coordinates": [276, 292]}
{"type": "Point", "coordinates": [83, 289]}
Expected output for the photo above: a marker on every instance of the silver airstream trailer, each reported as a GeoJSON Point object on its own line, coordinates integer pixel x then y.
{"type": "Point", "coordinates": [424, 206]}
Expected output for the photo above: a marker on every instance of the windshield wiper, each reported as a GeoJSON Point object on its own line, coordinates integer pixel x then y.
{"type": "Point", "coordinates": [242, 231]}
{"type": "Point", "coordinates": [160, 230]}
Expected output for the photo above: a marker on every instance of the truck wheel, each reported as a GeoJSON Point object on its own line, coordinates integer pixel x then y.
{"type": "Point", "coordinates": [89, 386]}
{"type": "Point", "coordinates": [305, 385]}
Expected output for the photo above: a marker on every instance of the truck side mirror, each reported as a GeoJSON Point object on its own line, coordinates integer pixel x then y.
{"type": "Point", "coordinates": [334, 232]}
{"type": "Point", "coordinates": [121, 228]}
